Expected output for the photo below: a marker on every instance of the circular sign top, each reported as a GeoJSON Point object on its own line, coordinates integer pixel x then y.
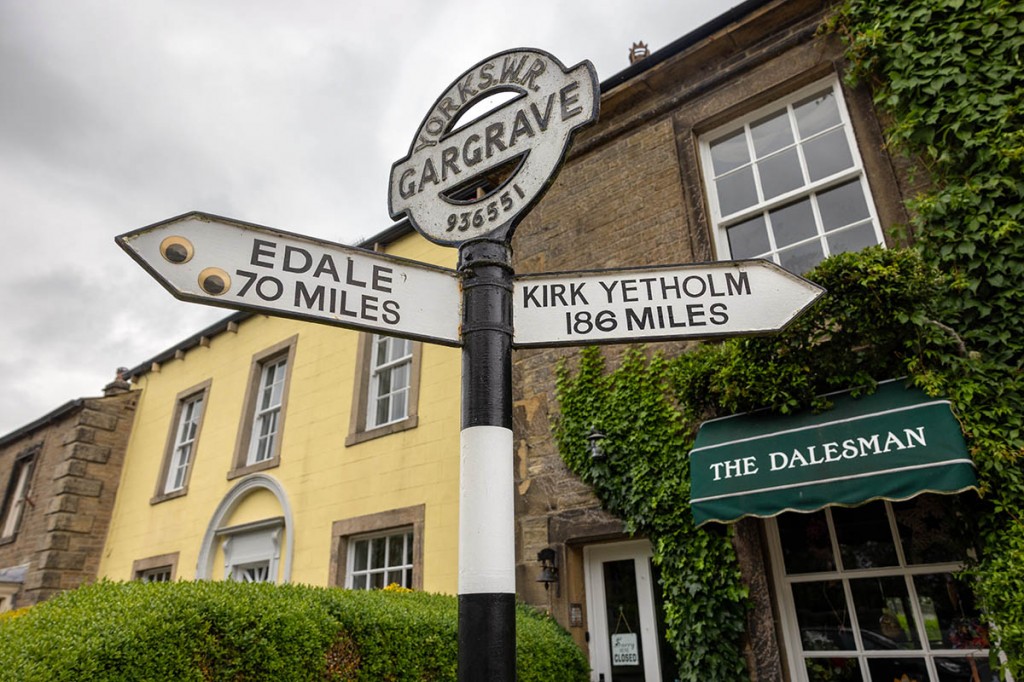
{"type": "Point", "coordinates": [531, 132]}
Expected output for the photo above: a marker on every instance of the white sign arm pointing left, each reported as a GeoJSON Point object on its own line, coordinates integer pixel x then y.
{"type": "Point", "coordinates": [219, 261]}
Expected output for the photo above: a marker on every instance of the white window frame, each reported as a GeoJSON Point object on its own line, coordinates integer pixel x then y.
{"type": "Point", "coordinates": [186, 436]}
{"type": "Point", "coordinates": [263, 378]}
{"type": "Point", "coordinates": [377, 371]}
{"type": "Point", "coordinates": [252, 572]}
{"type": "Point", "coordinates": [19, 488]}
{"type": "Point", "coordinates": [792, 646]}
{"type": "Point", "coordinates": [252, 547]}
{"type": "Point", "coordinates": [160, 574]}
{"type": "Point", "coordinates": [720, 223]}
{"type": "Point", "coordinates": [267, 410]}
{"type": "Point", "coordinates": [406, 567]}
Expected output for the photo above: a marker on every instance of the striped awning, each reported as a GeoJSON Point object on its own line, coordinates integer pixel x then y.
{"type": "Point", "coordinates": [893, 444]}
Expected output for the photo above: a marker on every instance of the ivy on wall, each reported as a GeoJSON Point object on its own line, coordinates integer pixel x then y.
{"type": "Point", "coordinates": [949, 314]}
{"type": "Point", "coordinates": [875, 322]}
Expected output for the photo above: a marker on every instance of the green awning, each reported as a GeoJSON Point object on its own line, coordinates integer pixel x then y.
{"type": "Point", "coordinates": [892, 444]}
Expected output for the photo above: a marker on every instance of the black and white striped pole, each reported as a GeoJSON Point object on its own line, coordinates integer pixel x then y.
{"type": "Point", "coordinates": [467, 185]}
{"type": "Point", "coordinates": [487, 650]}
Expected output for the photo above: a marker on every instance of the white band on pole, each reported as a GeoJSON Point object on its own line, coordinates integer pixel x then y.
{"type": "Point", "coordinates": [486, 512]}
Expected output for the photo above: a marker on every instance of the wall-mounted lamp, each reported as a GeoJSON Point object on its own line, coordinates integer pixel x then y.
{"type": "Point", "coordinates": [548, 567]}
{"type": "Point", "coordinates": [596, 451]}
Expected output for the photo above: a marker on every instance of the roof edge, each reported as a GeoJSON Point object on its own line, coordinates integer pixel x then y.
{"type": "Point", "coordinates": [64, 410]}
{"type": "Point", "coordinates": [678, 45]}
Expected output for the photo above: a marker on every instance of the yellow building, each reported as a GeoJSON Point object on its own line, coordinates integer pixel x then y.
{"type": "Point", "coordinates": [267, 449]}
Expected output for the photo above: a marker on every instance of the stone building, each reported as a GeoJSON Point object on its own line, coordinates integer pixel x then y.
{"type": "Point", "coordinates": [60, 475]}
{"type": "Point", "coordinates": [738, 140]}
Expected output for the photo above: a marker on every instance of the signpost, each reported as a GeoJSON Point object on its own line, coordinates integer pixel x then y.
{"type": "Point", "coordinates": [708, 300]}
{"type": "Point", "coordinates": [468, 184]}
{"type": "Point", "coordinates": [469, 187]}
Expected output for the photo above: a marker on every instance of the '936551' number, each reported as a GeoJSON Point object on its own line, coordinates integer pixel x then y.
{"type": "Point", "coordinates": [485, 215]}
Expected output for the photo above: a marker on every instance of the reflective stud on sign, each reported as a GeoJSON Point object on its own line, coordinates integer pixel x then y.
{"type": "Point", "coordinates": [176, 250]}
{"type": "Point", "coordinates": [214, 281]}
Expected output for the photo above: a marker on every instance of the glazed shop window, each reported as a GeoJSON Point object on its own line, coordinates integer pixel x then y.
{"type": "Point", "coordinates": [181, 443]}
{"type": "Point", "coordinates": [381, 560]}
{"type": "Point", "coordinates": [259, 443]}
{"type": "Point", "coordinates": [872, 592]}
{"type": "Point", "coordinates": [786, 183]}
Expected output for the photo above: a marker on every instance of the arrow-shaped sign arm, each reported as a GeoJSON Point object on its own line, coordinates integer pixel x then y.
{"type": "Point", "coordinates": [218, 261]}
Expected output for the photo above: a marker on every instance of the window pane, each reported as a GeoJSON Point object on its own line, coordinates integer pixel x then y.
{"type": "Point", "coordinates": [771, 133]}
{"type": "Point", "coordinates": [951, 618]}
{"type": "Point", "coordinates": [394, 578]}
{"type": "Point", "coordinates": [384, 382]}
{"type": "Point", "coordinates": [833, 670]}
{"type": "Point", "coordinates": [377, 581]}
{"type": "Point", "coordinates": [933, 529]}
{"type": "Point", "coordinates": [865, 540]}
{"type": "Point", "coordinates": [408, 549]}
{"type": "Point", "coordinates": [842, 205]}
{"type": "Point", "coordinates": [361, 554]}
{"type": "Point", "coordinates": [884, 613]}
{"type": "Point", "coordinates": [383, 410]}
{"type": "Point", "coordinates": [793, 223]}
{"type": "Point", "coordinates": [896, 668]}
{"type": "Point", "coordinates": [736, 191]}
{"type": "Point", "coordinates": [800, 259]}
{"type": "Point", "coordinates": [965, 669]}
{"type": "Point", "coordinates": [852, 239]}
{"type": "Point", "coordinates": [827, 155]}
{"type": "Point", "coordinates": [400, 376]}
{"type": "Point", "coordinates": [359, 582]}
{"type": "Point", "coordinates": [398, 405]}
{"type": "Point", "coordinates": [806, 547]}
{"type": "Point", "coordinates": [377, 553]}
{"type": "Point", "coordinates": [780, 173]}
{"type": "Point", "coordinates": [822, 615]}
{"type": "Point", "coordinates": [729, 153]}
{"type": "Point", "coordinates": [749, 238]}
{"type": "Point", "coordinates": [816, 113]}
{"type": "Point", "coordinates": [395, 550]}
{"type": "Point", "coordinates": [400, 348]}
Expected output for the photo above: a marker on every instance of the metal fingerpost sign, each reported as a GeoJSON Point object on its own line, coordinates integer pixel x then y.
{"type": "Point", "coordinates": [468, 184]}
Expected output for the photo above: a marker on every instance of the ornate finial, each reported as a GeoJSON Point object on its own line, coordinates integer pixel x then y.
{"type": "Point", "coordinates": [638, 51]}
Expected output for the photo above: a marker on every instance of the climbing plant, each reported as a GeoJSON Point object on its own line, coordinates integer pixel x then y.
{"type": "Point", "coordinates": [951, 76]}
{"type": "Point", "coordinates": [877, 321]}
{"type": "Point", "coordinates": [947, 313]}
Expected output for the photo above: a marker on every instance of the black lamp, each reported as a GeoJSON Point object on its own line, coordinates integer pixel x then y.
{"type": "Point", "coordinates": [548, 567]}
{"type": "Point", "coordinates": [596, 451]}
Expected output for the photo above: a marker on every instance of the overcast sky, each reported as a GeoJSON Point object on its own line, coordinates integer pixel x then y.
{"type": "Point", "coordinates": [116, 114]}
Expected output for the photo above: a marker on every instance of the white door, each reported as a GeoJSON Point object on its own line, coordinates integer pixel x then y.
{"type": "Point", "coordinates": [623, 614]}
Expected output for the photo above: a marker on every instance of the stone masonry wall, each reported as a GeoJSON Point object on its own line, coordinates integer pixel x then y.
{"type": "Point", "coordinates": [75, 480]}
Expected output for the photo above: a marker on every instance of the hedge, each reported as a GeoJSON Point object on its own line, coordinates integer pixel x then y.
{"type": "Point", "coordinates": [206, 631]}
